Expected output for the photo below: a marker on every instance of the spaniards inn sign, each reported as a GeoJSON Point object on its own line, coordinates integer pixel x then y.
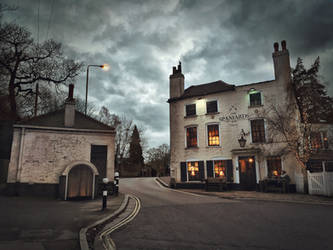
{"type": "Point", "coordinates": [233, 116]}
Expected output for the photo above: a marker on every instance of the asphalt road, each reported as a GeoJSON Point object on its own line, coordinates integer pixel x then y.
{"type": "Point", "coordinates": [175, 220]}
{"type": "Point", "coordinates": [35, 223]}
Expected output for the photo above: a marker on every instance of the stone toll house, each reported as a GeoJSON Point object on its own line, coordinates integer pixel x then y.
{"type": "Point", "coordinates": [64, 154]}
{"type": "Point", "coordinates": [208, 123]}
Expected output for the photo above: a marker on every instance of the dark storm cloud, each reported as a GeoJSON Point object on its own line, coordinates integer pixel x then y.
{"type": "Point", "coordinates": [142, 40]}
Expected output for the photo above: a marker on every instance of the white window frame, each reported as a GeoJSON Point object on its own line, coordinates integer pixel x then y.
{"type": "Point", "coordinates": [192, 160]}
{"type": "Point", "coordinates": [281, 158]}
{"type": "Point", "coordinates": [219, 159]}
{"type": "Point", "coordinates": [261, 98]}
{"type": "Point", "coordinates": [217, 103]}
{"type": "Point", "coordinates": [265, 128]}
{"type": "Point", "coordinates": [206, 133]}
{"type": "Point", "coordinates": [191, 126]}
{"type": "Point", "coordinates": [185, 115]}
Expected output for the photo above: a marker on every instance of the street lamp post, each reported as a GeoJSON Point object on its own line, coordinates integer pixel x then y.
{"type": "Point", "coordinates": [104, 67]}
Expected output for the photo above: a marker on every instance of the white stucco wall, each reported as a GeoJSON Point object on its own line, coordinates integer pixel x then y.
{"type": "Point", "coordinates": [46, 153]}
{"type": "Point", "coordinates": [276, 92]}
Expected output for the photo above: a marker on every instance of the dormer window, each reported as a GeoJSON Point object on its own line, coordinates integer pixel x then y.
{"type": "Point", "coordinates": [211, 107]}
{"type": "Point", "coordinates": [255, 99]}
{"type": "Point", "coordinates": [190, 110]}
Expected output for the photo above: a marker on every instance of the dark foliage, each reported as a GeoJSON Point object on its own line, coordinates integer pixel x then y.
{"type": "Point", "coordinates": [312, 100]}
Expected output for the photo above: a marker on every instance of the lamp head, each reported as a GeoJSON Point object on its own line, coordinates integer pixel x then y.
{"type": "Point", "coordinates": [105, 67]}
{"type": "Point", "coordinates": [105, 180]}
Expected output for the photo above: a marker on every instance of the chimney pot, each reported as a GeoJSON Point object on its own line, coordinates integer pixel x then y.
{"type": "Point", "coordinates": [276, 47]}
{"type": "Point", "coordinates": [284, 45]}
{"type": "Point", "coordinates": [179, 67]}
{"type": "Point", "coordinates": [174, 70]}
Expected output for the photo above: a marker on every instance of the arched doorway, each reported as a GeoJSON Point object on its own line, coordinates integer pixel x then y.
{"type": "Point", "coordinates": [80, 182]}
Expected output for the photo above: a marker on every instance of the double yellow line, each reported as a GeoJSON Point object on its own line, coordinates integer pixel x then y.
{"type": "Point", "coordinates": [107, 241]}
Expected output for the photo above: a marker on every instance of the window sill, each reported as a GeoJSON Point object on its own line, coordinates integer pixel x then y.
{"type": "Point", "coordinates": [213, 146]}
{"type": "Point", "coordinates": [212, 113]}
{"type": "Point", "coordinates": [190, 116]}
{"type": "Point", "coordinates": [188, 148]}
{"type": "Point", "coordinates": [256, 106]}
{"type": "Point", "coordinates": [257, 143]}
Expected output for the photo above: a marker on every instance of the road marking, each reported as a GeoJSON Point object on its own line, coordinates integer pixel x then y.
{"type": "Point", "coordinates": [175, 190]}
{"type": "Point", "coordinates": [105, 235]}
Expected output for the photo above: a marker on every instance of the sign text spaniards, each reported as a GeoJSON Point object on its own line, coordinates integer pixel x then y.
{"type": "Point", "coordinates": [234, 117]}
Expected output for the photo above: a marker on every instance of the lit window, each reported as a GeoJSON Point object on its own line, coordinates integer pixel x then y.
{"type": "Point", "coordinates": [220, 169]}
{"type": "Point", "coordinates": [211, 107]}
{"type": "Point", "coordinates": [213, 135]}
{"type": "Point", "coordinates": [255, 99]}
{"type": "Point", "coordinates": [191, 137]}
{"type": "Point", "coordinates": [193, 171]}
{"type": "Point", "coordinates": [274, 166]}
{"type": "Point", "coordinates": [190, 109]}
{"type": "Point", "coordinates": [258, 130]}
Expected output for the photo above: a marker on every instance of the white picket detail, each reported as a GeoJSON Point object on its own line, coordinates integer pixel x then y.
{"type": "Point", "coordinates": [329, 183]}
{"type": "Point", "coordinates": [321, 183]}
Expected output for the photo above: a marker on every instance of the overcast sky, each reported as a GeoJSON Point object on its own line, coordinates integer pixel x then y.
{"type": "Point", "coordinates": [141, 41]}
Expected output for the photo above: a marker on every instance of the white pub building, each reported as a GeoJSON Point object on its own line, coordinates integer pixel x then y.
{"type": "Point", "coordinates": [216, 129]}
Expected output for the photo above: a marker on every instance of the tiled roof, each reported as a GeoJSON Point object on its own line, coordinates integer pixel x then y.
{"type": "Point", "coordinates": [56, 119]}
{"type": "Point", "coordinates": [205, 89]}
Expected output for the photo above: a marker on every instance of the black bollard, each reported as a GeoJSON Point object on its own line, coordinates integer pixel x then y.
{"type": "Point", "coordinates": [105, 193]}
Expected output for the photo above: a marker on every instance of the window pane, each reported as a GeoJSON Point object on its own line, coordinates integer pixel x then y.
{"type": "Point", "coordinates": [329, 166]}
{"type": "Point", "coordinates": [211, 107]}
{"type": "Point", "coordinates": [190, 110]}
{"type": "Point", "coordinates": [213, 135]}
{"type": "Point", "coordinates": [193, 171]}
{"type": "Point", "coordinates": [255, 99]}
{"type": "Point", "coordinates": [258, 130]}
{"type": "Point", "coordinates": [315, 166]}
{"type": "Point", "coordinates": [191, 137]}
{"type": "Point", "coordinates": [220, 169]}
{"type": "Point", "coordinates": [274, 166]}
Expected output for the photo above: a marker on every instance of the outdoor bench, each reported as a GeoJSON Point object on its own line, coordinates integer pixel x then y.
{"type": "Point", "coordinates": [274, 185]}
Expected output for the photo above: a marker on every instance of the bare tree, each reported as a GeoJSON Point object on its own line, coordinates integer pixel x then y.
{"type": "Point", "coordinates": [159, 159]}
{"type": "Point", "coordinates": [24, 63]}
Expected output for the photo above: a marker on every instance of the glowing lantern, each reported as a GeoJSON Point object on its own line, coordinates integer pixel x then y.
{"type": "Point", "coordinates": [193, 173]}
{"type": "Point", "coordinates": [250, 160]}
{"type": "Point", "coordinates": [221, 173]}
{"type": "Point", "coordinates": [275, 173]}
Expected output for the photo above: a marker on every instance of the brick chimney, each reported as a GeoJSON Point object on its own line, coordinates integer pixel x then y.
{"type": "Point", "coordinates": [70, 108]}
{"type": "Point", "coordinates": [176, 82]}
{"type": "Point", "coordinates": [281, 62]}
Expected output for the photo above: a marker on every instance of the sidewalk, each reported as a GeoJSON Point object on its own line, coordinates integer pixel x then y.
{"type": "Point", "coordinates": [253, 195]}
{"type": "Point", "coordinates": [44, 223]}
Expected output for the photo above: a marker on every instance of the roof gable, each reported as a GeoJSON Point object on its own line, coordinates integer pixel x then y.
{"type": "Point", "coordinates": [205, 89]}
{"type": "Point", "coordinates": [56, 119]}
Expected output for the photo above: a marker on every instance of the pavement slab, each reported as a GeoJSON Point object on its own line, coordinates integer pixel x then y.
{"type": "Point", "coordinates": [45, 223]}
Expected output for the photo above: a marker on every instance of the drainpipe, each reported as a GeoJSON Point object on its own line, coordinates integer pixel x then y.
{"type": "Point", "coordinates": [19, 167]}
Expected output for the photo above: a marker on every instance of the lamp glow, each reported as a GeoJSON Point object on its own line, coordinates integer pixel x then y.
{"type": "Point", "coordinates": [105, 67]}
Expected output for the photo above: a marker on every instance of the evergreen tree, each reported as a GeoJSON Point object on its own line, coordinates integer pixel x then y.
{"type": "Point", "coordinates": [135, 152]}
{"type": "Point", "coordinates": [312, 100]}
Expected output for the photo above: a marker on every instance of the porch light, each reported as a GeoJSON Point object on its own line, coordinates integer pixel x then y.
{"type": "Point", "coordinates": [250, 160]}
{"type": "Point", "coordinates": [242, 142]}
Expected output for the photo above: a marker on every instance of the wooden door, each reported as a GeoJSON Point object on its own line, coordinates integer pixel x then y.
{"type": "Point", "coordinates": [247, 172]}
{"type": "Point", "coordinates": [80, 181]}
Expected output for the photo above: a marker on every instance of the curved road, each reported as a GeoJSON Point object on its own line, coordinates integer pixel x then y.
{"type": "Point", "coordinates": [174, 220]}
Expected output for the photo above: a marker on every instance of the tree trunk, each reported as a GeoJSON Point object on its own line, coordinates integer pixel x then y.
{"type": "Point", "coordinates": [12, 100]}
